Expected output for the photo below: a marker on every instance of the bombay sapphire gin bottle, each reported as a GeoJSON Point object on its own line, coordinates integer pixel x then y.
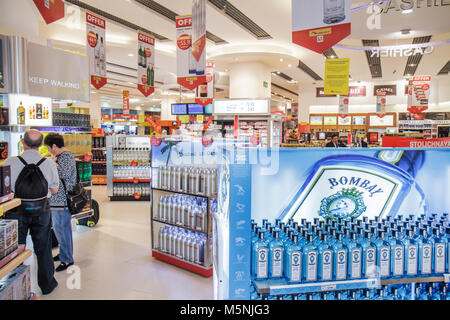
{"type": "Point", "coordinates": [398, 255]}
{"type": "Point", "coordinates": [260, 258]}
{"type": "Point", "coordinates": [356, 186]}
{"type": "Point", "coordinates": [333, 11]}
{"type": "Point", "coordinates": [325, 259]}
{"type": "Point", "coordinates": [369, 254]}
{"type": "Point", "coordinates": [340, 258]}
{"type": "Point", "coordinates": [383, 255]}
{"type": "Point", "coordinates": [438, 252]}
{"type": "Point", "coordinates": [276, 256]}
{"type": "Point", "coordinates": [293, 261]}
{"type": "Point", "coordinates": [411, 254]}
{"type": "Point", "coordinates": [425, 253]}
{"type": "Point", "coordinates": [354, 261]}
{"type": "Point", "coordinates": [310, 260]}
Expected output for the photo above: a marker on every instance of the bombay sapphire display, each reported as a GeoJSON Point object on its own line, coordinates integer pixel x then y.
{"type": "Point", "coordinates": [357, 186]}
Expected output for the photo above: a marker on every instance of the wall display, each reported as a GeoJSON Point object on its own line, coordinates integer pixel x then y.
{"type": "Point", "coordinates": [424, 116]}
{"type": "Point", "coordinates": [390, 90]}
{"type": "Point", "coordinates": [329, 121]}
{"type": "Point", "coordinates": [344, 120]}
{"type": "Point", "coordinates": [353, 91]}
{"type": "Point", "coordinates": [315, 120]}
{"type": "Point", "coordinates": [30, 110]}
{"type": "Point", "coordinates": [146, 63]}
{"type": "Point", "coordinates": [362, 184]}
{"type": "Point", "coordinates": [46, 78]}
{"type": "Point", "coordinates": [51, 10]}
{"type": "Point", "coordinates": [343, 104]}
{"type": "Point", "coordinates": [241, 106]}
{"type": "Point", "coordinates": [318, 25]}
{"type": "Point", "coordinates": [337, 76]}
{"type": "Point", "coordinates": [418, 94]}
{"type": "Point", "coordinates": [96, 48]}
{"type": "Point", "coordinates": [186, 62]}
{"type": "Point", "coordinates": [204, 94]}
{"type": "Point", "coordinates": [385, 121]}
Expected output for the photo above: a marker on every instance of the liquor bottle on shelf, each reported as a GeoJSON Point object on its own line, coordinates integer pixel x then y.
{"type": "Point", "coordinates": [260, 258]}
{"type": "Point", "coordinates": [276, 252]}
{"type": "Point", "coordinates": [398, 255]}
{"type": "Point", "coordinates": [411, 255]}
{"type": "Point", "coordinates": [310, 258]}
{"type": "Point", "coordinates": [325, 259]}
{"type": "Point", "coordinates": [293, 261]}
{"type": "Point", "coordinates": [20, 114]}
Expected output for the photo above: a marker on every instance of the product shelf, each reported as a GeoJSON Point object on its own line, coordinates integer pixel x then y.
{"type": "Point", "coordinates": [98, 162]}
{"type": "Point", "coordinates": [14, 260]}
{"type": "Point", "coordinates": [102, 149]}
{"type": "Point", "coordinates": [9, 204]}
{"type": "Point", "coordinates": [128, 198]}
{"type": "Point", "coordinates": [186, 193]}
{"type": "Point", "coordinates": [129, 164]}
{"type": "Point", "coordinates": [437, 278]}
{"type": "Point", "coordinates": [179, 226]}
{"type": "Point", "coordinates": [132, 180]}
{"type": "Point", "coordinates": [196, 268]}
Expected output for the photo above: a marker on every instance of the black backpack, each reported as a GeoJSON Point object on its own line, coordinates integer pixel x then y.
{"type": "Point", "coordinates": [32, 188]}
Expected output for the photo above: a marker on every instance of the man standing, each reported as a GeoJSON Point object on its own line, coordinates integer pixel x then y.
{"type": "Point", "coordinates": [335, 143]}
{"type": "Point", "coordinates": [38, 225]}
{"type": "Point", "coordinates": [360, 143]}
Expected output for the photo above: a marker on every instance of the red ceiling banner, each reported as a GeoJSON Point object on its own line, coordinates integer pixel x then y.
{"type": "Point", "coordinates": [51, 10]}
{"type": "Point", "coordinates": [319, 25]}
{"type": "Point", "coordinates": [96, 48]}
{"type": "Point", "coordinates": [205, 92]}
{"type": "Point", "coordinates": [126, 104]}
{"type": "Point", "coordinates": [146, 63]}
{"type": "Point", "coordinates": [419, 94]}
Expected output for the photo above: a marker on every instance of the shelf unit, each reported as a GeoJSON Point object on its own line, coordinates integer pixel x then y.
{"type": "Point", "coordinates": [138, 179]}
{"type": "Point", "coordinates": [282, 287]}
{"type": "Point", "coordinates": [98, 152]}
{"type": "Point", "coordinates": [205, 271]}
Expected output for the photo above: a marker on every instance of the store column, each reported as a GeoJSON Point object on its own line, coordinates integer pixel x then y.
{"type": "Point", "coordinates": [166, 109]}
{"type": "Point", "coordinates": [250, 80]}
{"type": "Point", "coordinates": [305, 100]}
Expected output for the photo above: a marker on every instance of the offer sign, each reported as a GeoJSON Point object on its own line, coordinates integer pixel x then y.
{"type": "Point", "coordinates": [319, 25]}
{"type": "Point", "coordinates": [343, 105]}
{"type": "Point", "coordinates": [204, 94]}
{"type": "Point", "coordinates": [336, 76]}
{"type": "Point", "coordinates": [51, 10]}
{"type": "Point", "coordinates": [146, 63]}
{"type": "Point", "coordinates": [96, 48]}
{"type": "Point", "coordinates": [381, 102]}
{"type": "Point", "coordinates": [419, 94]}
{"type": "Point", "coordinates": [186, 62]}
{"type": "Point", "coordinates": [126, 104]}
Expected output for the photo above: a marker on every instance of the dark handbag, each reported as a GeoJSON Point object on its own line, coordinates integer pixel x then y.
{"type": "Point", "coordinates": [77, 198]}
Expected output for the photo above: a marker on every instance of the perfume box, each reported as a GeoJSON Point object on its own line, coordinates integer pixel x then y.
{"type": "Point", "coordinates": [4, 116]}
{"type": "Point", "coordinates": [5, 180]}
{"type": "Point", "coordinates": [8, 237]}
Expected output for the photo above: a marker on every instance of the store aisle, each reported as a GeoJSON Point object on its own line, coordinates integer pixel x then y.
{"type": "Point", "coordinates": [115, 262]}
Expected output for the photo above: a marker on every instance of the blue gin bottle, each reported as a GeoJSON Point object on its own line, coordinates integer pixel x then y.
{"type": "Point", "coordinates": [276, 249]}
{"type": "Point", "coordinates": [325, 260]}
{"type": "Point", "coordinates": [369, 256]}
{"type": "Point", "coordinates": [293, 258]}
{"type": "Point", "coordinates": [439, 252]}
{"type": "Point", "coordinates": [309, 258]}
{"type": "Point", "coordinates": [411, 255]}
{"type": "Point", "coordinates": [397, 255]}
{"type": "Point", "coordinates": [260, 258]}
{"type": "Point", "coordinates": [383, 255]}
{"type": "Point", "coordinates": [340, 259]}
{"type": "Point", "coordinates": [355, 257]}
{"type": "Point", "coordinates": [425, 253]}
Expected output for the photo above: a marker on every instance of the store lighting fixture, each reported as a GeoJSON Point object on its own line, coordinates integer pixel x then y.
{"type": "Point", "coordinates": [131, 55]}
{"type": "Point", "coordinates": [405, 31]}
{"type": "Point", "coordinates": [281, 59]}
{"type": "Point", "coordinates": [407, 11]}
{"type": "Point", "coordinates": [290, 65]}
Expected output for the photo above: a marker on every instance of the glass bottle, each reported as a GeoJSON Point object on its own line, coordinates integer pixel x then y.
{"type": "Point", "coordinates": [355, 255]}
{"type": "Point", "coordinates": [309, 259]}
{"type": "Point", "coordinates": [411, 255]}
{"type": "Point", "coordinates": [369, 255]}
{"type": "Point", "coordinates": [333, 11]}
{"type": "Point", "coordinates": [293, 258]}
{"type": "Point", "coordinates": [397, 255]}
{"type": "Point", "coordinates": [276, 252]}
{"type": "Point", "coordinates": [260, 258]}
{"type": "Point", "coordinates": [325, 260]}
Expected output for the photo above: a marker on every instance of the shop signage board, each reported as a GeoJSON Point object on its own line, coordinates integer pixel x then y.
{"type": "Point", "coordinates": [126, 104]}
{"type": "Point", "coordinates": [419, 93]}
{"type": "Point", "coordinates": [390, 90]}
{"type": "Point", "coordinates": [343, 105]}
{"type": "Point", "coordinates": [381, 102]}
{"type": "Point", "coordinates": [204, 93]}
{"type": "Point", "coordinates": [353, 91]}
{"type": "Point", "coordinates": [146, 63]}
{"type": "Point", "coordinates": [403, 142]}
{"type": "Point", "coordinates": [344, 120]}
{"type": "Point", "coordinates": [186, 62]}
{"type": "Point", "coordinates": [51, 10]}
{"type": "Point", "coordinates": [318, 25]}
{"type": "Point", "coordinates": [330, 121]}
{"type": "Point", "coordinates": [96, 48]}
{"type": "Point", "coordinates": [46, 77]}
{"type": "Point", "coordinates": [233, 107]}
{"type": "Point", "coordinates": [337, 76]}
{"type": "Point", "coordinates": [381, 120]}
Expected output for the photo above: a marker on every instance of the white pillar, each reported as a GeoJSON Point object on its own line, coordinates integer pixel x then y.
{"type": "Point", "coordinates": [250, 80]}
{"type": "Point", "coordinates": [304, 102]}
{"type": "Point", "coordinates": [166, 109]}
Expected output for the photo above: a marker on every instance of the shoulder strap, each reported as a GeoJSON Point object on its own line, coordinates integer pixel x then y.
{"type": "Point", "coordinates": [40, 161]}
{"type": "Point", "coordinates": [22, 160]}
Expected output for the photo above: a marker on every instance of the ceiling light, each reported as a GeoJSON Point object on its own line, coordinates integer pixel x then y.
{"type": "Point", "coordinates": [290, 65]}
{"type": "Point", "coordinates": [405, 31]}
{"type": "Point", "coordinates": [407, 11]}
{"type": "Point", "coordinates": [281, 59]}
{"type": "Point", "coordinates": [412, 65]}
{"type": "Point", "coordinates": [131, 55]}
{"type": "Point", "coordinates": [93, 91]}
{"type": "Point", "coordinates": [278, 72]}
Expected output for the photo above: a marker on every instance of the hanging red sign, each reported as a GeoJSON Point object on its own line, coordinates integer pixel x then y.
{"type": "Point", "coordinates": [51, 10]}
{"type": "Point", "coordinates": [126, 104]}
{"type": "Point", "coordinates": [146, 63]}
{"type": "Point", "coordinates": [419, 93]}
{"type": "Point", "coordinates": [96, 48]}
{"type": "Point", "coordinates": [319, 25]}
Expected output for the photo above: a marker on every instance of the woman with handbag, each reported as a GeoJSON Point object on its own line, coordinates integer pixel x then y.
{"type": "Point", "coordinates": [61, 215]}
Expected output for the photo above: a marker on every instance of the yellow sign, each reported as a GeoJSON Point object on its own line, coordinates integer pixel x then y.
{"type": "Point", "coordinates": [184, 119]}
{"type": "Point", "coordinates": [199, 118]}
{"type": "Point", "coordinates": [320, 32]}
{"type": "Point", "coordinates": [336, 76]}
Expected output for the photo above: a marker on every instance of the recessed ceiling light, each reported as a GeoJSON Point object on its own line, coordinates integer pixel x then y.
{"type": "Point", "coordinates": [411, 65]}
{"type": "Point", "coordinates": [281, 59]}
{"type": "Point", "coordinates": [407, 11]}
{"type": "Point", "coordinates": [290, 65]}
{"type": "Point", "coordinates": [405, 31]}
{"type": "Point", "coordinates": [93, 91]}
{"type": "Point", "coordinates": [131, 55]}
{"type": "Point", "coordinates": [278, 72]}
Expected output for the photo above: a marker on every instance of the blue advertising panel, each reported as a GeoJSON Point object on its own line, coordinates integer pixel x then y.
{"type": "Point", "coordinates": [179, 109]}
{"type": "Point", "coordinates": [194, 108]}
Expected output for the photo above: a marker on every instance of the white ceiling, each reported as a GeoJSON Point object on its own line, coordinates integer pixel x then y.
{"type": "Point", "coordinates": [272, 16]}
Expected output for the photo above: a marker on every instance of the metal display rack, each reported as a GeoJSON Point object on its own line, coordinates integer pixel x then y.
{"type": "Point", "coordinates": [205, 271]}
{"type": "Point", "coordinates": [98, 146]}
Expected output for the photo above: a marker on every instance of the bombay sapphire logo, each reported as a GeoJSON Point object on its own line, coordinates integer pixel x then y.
{"type": "Point", "coordinates": [347, 203]}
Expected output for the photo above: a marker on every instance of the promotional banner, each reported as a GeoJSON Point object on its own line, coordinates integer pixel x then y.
{"type": "Point", "coordinates": [96, 48]}
{"type": "Point", "coordinates": [198, 37]}
{"type": "Point", "coordinates": [402, 142]}
{"type": "Point", "coordinates": [390, 90]}
{"type": "Point", "coordinates": [205, 92]}
{"type": "Point", "coordinates": [343, 105]}
{"type": "Point", "coordinates": [51, 10]}
{"type": "Point", "coordinates": [318, 25]}
{"type": "Point", "coordinates": [146, 63]}
{"type": "Point", "coordinates": [353, 91]}
{"type": "Point", "coordinates": [46, 77]}
{"type": "Point", "coordinates": [381, 102]}
{"type": "Point", "coordinates": [337, 76]}
{"type": "Point", "coordinates": [418, 94]}
{"type": "Point", "coordinates": [126, 104]}
{"type": "Point", "coordinates": [186, 62]}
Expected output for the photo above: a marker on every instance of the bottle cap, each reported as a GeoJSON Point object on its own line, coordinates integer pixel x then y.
{"type": "Point", "coordinates": [261, 235]}
{"type": "Point", "coordinates": [277, 221]}
{"type": "Point", "coordinates": [275, 234]}
{"type": "Point", "coordinates": [316, 221]}
{"type": "Point", "coordinates": [295, 238]}
{"type": "Point", "coordinates": [295, 225]}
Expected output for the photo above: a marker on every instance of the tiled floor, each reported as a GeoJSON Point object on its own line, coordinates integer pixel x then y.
{"type": "Point", "coordinates": [114, 260]}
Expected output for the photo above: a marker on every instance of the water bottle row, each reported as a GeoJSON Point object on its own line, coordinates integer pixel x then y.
{"type": "Point", "coordinates": [127, 172]}
{"type": "Point", "coordinates": [187, 211]}
{"type": "Point", "coordinates": [183, 244]}
{"type": "Point", "coordinates": [323, 252]}
{"type": "Point", "coordinates": [201, 181]}
{"type": "Point", "coordinates": [127, 155]}
{"type": "Point", "coordinates": [130, 189]}
{"type": "Point", "coordinates": [419, 291]}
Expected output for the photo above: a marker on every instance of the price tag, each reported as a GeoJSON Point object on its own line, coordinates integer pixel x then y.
{"type": "Point", "coordinates": [134, 163]}
{"type": "Point", "coordinates": [137, 195]}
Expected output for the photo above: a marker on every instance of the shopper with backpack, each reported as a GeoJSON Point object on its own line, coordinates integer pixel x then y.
{"type": "Point", "coordinates": [34, 179]}
{"type": "Point", "coordinates": [61, 215]}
